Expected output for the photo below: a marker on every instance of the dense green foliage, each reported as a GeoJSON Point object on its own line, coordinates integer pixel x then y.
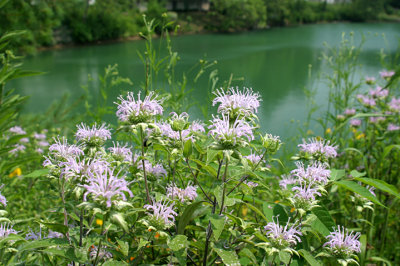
{"type": "Point", "coordinates": [49, 23]}
{"type": "Point", "coordinates": [237, 188]}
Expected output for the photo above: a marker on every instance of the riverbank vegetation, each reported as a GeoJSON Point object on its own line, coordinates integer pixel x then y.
{"type": "Point", "coordinates": [49, 23]}
{"type": "Point", "coordinates": [157, 187]}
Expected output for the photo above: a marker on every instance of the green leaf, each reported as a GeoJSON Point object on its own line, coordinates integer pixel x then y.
{"type": "Point", "coordinates": [380, 259]}
{"type": "Point", "coordinates": [211, 155]}
{"type": "Point", "coordinates": [114, 263]}
{"type": "Point", "coordinates": [324, 216]}
{"type": "Point", "coordinates": [43, 244]}
{"type": "Point", "coordinates": [247, 252]}
{"type": "Point", "coordinates": [142, 243]}
{"type": "Point", "coordinates": [253, 208]}
{"type": "Point", "coordinates": [355, 173]}
{"type": "Point", "coordinates": [356, 188]}
{"type": "Point", "coordinates": [318, 225]}
{"type": "Point", "coordinates": [119, 219]}
{"type": "Point", "coordinates": [337, 174]}
{"type": "Point", "coordinates": [123, 247]}
{"type": "Point", "coordinates": [38, 173]}
{"type": "Point", "coordinates": [284, 256]}
{"type": "Point", "coordinates": [179, 242]}
{"type": "Point", "coordinates": [388, 149]}
{"type": "Point", "coordinates": [217, 224]}
{"type": "Point", "coordinates": [228, 257]}
{"type": "Point", "coordinates": [56, 227]}
{"type": "Point", "coordinates": [309, 258]}
{"type": "Point", "coordinates": [187, 148]}
{"type": "Point", "coordinates": [65, 252]}
{"type": "Point", "coordinates": [380, 184]}
{"type": "Point", "coordinates": [188, 215]}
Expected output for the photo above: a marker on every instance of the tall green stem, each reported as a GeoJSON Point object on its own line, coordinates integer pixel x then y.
{"type": "Point", "coordinates": [144, 168]}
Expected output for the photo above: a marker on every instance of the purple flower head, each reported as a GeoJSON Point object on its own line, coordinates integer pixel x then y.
{"type": "Point", "coordinates": [121, 153]}
{"type": "Point", "coordinates": [369, 80]}
{"type": "Point", "coordinates": [102, 255]}
{"type": "Point", "coordinates": [350, 112]}
{"type": "Point", "coordinates": [386, 74]}
{"type": "Point", "coordinates": [394, 104]}
{"type": "Point", "coordinates": [305, 193]}
{"type": "Point", "coordinates": [235, 103]}
{"type": "Point", "coordinates": [379, 92]}
{"type": "Point", "coordinates": [39, 136]}
{"type": "Point", "coordinates": [34, 236]}
{"type": "Point", "coordinates": [282, 236]}
{"type": "Point", "coordinates": [287, 180]}
{"type": "Point", "coordinates": [106, 186]}
{"type": "Point", "coordinates": [230, 135]}
{"type": "Point", "coordinates": [355, 122]}
{"type": "Point", "coordinates": [17, 148]}
{"type": "Point", "coordinates": [253, 158]}
{"type": "Point", "coordinates": [342, 243]}
{"type": "Point", "coordinates": [189, 193]}
{"type": "Point", "coordinates": [6, 230]}
{"type": "Point", "coordinates": [74, 167]}
{"type": "Point", "coordinates": [251, 184]}
{"type": "Point", "coordinates": [17, 130]}
{"type": "Point", "coordinates": [3, 199]}
{"type": "Point", "coordinates": [24, 140]}
{"type": "Point", "coordinates": [53, 234]}
{"type": "Point", "coordinates": [197, 126]}
{"type": "Point", "coordinates": [43, 143]}
{"type": "Point", "coordinates": [162, 213]}
{"type": "Point", "coordinates": [376, 119]}
{"type": "Point", "coordinates": [136, 111]}
{"type": "Point", "coordinates": [62, 150]}
{"type": "Point", "coordinates": [315, 173]}
{"type": "Point", "coordinates": [393, 127]}
{"type": "Point", "coordinates": [318, 148]}
{"type": "Point", "coordinates": [365, 100]}
{"type": "Point", "coordinates": [93, 136]}
{"type": "Point", "coordinates": [156, 170]}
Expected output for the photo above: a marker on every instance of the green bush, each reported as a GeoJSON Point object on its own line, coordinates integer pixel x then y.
{"type": "Point", "coordinates": [233, 15]}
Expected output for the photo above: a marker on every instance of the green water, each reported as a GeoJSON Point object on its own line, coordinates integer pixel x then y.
{"type": "Point", "coordinates": [274, 62]}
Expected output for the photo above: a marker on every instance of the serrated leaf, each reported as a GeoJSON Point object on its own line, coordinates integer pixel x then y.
{"type": "Point", "coordinates": [179, 242]}
{"type": "Point", "coordinates": [324, 216]}
{"type": "Point", "coordinates": [142, 243]}
{"type": "Point", "coordinates": [217, 224]}
{"type": "Point", "coordinates": [360, 190]}
{"type": "Point", "coordinates": [319, 226]}
{"type": "Point", "coordinates": [381, 185]}
{"type": "Point", "coordinates": [228, 257]}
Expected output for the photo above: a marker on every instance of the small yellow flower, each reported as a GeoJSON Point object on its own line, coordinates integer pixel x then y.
{"type": "Point", "coordinates": [310, 132]}
{"type": "Point", "coordinates": [99, 222]}
{"type": "Point", "coordinates": [292, 209]}
{"type": "Point", "coordinates": [244, 210]}
{"type": "Point", "coordinates": [157, 235]}
{"type": "Point", "coordinates": [276, 201]}
{"type": "Point", "coordinates": [328, 130]}
{"type": "Point", "coordinates": [360, 136]}
{"type": "Point", "coordinates": [354, 131]}
{"type": "Point", "coordinates": [16, 172]}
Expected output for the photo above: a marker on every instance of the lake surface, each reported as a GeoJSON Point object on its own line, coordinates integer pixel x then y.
{"type": "Point", "coordinates": [274, 62]}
